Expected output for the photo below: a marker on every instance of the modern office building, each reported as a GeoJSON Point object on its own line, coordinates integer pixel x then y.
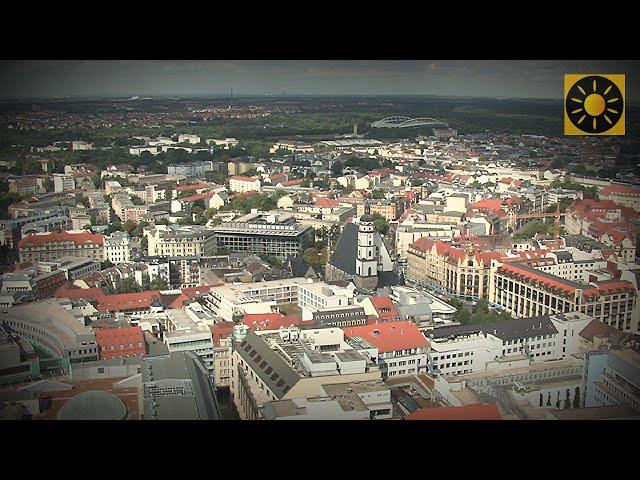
{"type": "Point", "coordinates": [272, 239]}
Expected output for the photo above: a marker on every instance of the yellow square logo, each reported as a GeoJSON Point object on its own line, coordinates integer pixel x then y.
{"type": "Point", "coordinates": [594, 104]}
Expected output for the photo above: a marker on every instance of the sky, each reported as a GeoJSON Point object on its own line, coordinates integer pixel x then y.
{"type": "Point", "coordinates": [469, 78]}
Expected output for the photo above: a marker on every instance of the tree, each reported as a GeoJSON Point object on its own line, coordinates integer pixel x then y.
{"type": "Point", "coordinates": [463, 316]}
{"type": "Point", "coordinates": [381, 224]}
{"type": "Point", "coordinates": [541, 399]}
{"type": "Point", "coordinates": [558, 401]}
{"type": "Point", "coordinates": [129, 226]}
{"type": "Point", "coordinates": [105, 264]}
{"type": "Point", "coordinates": [549, 400]}
{"type": "Point", "coordinates": [315, 256]}
{"type": "Point", "coordinates": [158, 283]}
{"type": "Point", "coordinates": [336, 169]}
{"type": "Point", "coordinates": [576, 398]}
{"type": "Point", "coordinates": [567, 401]}
{"type": "Point", "coordinates": [378, 193]}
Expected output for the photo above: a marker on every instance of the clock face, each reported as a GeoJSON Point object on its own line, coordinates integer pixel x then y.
{"type": "Point", "coordinates": [594, 104]}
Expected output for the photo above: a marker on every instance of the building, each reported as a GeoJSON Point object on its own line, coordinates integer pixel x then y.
{"type": "Point", "coordinates": [185, 272]}
{"type": "Point", "coordinates": [177, 387]}
{"type": "Point", "coordinates": [179, 241]}
{"type": "Point", "coordinates": [24, 186]}
{"type": "Point", "coordinates": [18, 359]}
{"type": "Point", "coordinates": [344, 401]}
{"type": "Point", "coordinates": [390, 210]}
{"type": "Point", "coordinates": [188, 138]}
{"type": "Point", "coordinates": [51, 326]}
{"type": "Point", "coordinates": [295, 364]}
{"type": "Point", "coordinates": [280, 240]}
{"type": "Point", "coordinates": [292, 146]}
{"type": "Point", "coordinates": [463, 349]}
{"type": "Point", "coordinates": [117, 247]}
{"type": "Point", "coordinates": [526, 291]}
{"type": "Point", "coordinates": [361, 256]}
{"type": "Point", "coordinates": [319, 296]}
{"type": "Point", "coordinates": [340, 317]}
{"type": "Point", "coordinates": [231, 302]}
{"type": "Point", "coordinates": [402, 348]}
{"type": "Point", "coordinates": [239, 184]}
{"type": "Point", "coordinates": [458, 271]}
{"type": "Point", "coordinates": [49, 246]}
{"type": "Point", "coordinates": [120, 342]}
{"type": "Point", "coordinates": [381, 307]}
{"type": "Point", "coordinates": [190, 333]}
{"type": "Point", "coordinates": [612, 377]}
{"type": "Point", "coordinates": [74, 268]}
{"type": "Point", "coordinates": [478, 411]}
{"type": "Point", "coordinates": [622, 195]}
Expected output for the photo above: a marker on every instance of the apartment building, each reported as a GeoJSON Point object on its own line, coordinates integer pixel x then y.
{"type": "Point", "coordinates": [49, 246]}
{"type": "Point", "coordinates": [63, 182]}
{"type": "Point", "coordinates": [612, 377]}
{"type": "Point", "coordinates": [240, 184]}
{"type": "Point", "coordinates": [179, 241]}
{"type": "Point", "coordinates": [117, 247]}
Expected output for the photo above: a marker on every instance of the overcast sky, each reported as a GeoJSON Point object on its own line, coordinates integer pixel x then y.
{"type": "Point", "coordinates": [477, 78]}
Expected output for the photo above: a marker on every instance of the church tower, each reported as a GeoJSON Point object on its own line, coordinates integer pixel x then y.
{"type": "Point", "coordinates": [367, 258]}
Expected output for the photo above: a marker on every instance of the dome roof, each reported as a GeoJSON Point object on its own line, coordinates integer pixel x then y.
{"type": "Point", "coordinates": [367, 218]}
{"type": "Point", "coordinates": [93, 405]}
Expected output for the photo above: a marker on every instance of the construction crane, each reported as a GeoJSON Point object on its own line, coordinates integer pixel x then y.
{"type": "Point", "coordinates": [514, 217]}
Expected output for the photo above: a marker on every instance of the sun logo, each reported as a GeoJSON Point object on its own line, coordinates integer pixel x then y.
{"type": "Point", "coordinates": [594, 104]}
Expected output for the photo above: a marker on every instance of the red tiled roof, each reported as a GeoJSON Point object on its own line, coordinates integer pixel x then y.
{"type": "Point", "coordinates": [292, 183]}
{"type": "Point", "coordinates": [221, 330]}
{"type": "Point", "coordinates": [244, 179]}
{"type": "Point", "coordinates": [389, 336]}
{"type": "Point", "coordinates": [620, 190]}
{"type": "Point", "coordinates": [196, 197]}
{"type": "Point", "coordinates": [560, 284]}
{"type": "Point", "coordinates": [478, 411]}
{"type": "Point", "coordinates": [116, 336]}
{"type": "Point", "coordinates": [326, 202]}
{"type": "Point", "coordinates": [195, 186]}
{"type": "Point", "coordinates": [126, 301]}
{"type": "Point", "coordinates": [82, 238]}
{"type": "Point", "coordinates": [69, 291]}
{"type": "Point", "coordinates": [385, 308]}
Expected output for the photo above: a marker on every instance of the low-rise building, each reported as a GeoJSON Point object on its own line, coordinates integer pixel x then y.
{"type": "Point", "coordinates": [402, 348]}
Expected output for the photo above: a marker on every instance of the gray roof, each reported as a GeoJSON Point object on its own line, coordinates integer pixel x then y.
{"type": "Point", "coordinates": [505, 330]}
{"type": "Point", "coordinates": [93, 405]}
{"type": "Point", "coordinates": [281, 378]}
{"type": "Point", "coordinates": [200, 404]}
{"type": "Point", "coordinates": [346, 251]}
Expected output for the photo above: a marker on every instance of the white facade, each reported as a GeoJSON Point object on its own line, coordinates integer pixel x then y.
{"type": "Point", "coordinates": [316, 296]}
{"type": "Point", "coordinates": [62, 182]}
{"type": "Point", "coordinates": [188, 138]}
{"type": "Point", "coordinates": [244, 184]}
{"type": "Point", "coordinates": [117, 247]}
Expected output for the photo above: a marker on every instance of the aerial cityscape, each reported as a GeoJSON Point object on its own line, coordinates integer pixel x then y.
{"type": "Point", "coordinates": [266, 240]}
